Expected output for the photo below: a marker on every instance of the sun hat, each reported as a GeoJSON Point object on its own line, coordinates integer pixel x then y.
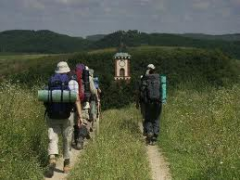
{"type": "Point", "coordinates": [151, 66]}
{"type": "Point", "coordinates": [62, 67]}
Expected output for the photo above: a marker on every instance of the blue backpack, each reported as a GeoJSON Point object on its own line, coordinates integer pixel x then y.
{"type": "Point", "coordinates": [58, 110]}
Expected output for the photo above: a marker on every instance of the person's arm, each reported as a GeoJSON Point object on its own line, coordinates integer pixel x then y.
{"type": "Point", "coordinates": [79, 111]}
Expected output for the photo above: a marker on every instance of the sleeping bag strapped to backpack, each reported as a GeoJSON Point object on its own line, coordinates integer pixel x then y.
{"type": "Point", "coordinates": [58, 110]}
{"type": "Point", "coordinates": [82, 77]}
{"type": "Point", "coordinates": [153, 88]}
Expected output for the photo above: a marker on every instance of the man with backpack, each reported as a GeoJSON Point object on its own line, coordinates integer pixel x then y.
{"type": "Point", "coordinates": [86, 89]}
{"type": "Point", "coordinates": [60, 116]}
{"type": "Point", "coordinates": [151, 95]}
{"type": "Point", "coordinates": [94, 99]}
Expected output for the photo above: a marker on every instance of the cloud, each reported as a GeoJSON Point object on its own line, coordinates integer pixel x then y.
{"type": "Point", "coordinates": [201, 5]}
{"type": "Point", "coordinates": [235, 2]}
{"type": "Point", "coordinates": [35, 4]}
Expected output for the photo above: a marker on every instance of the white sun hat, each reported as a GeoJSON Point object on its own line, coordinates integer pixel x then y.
{"type": "Point", "coordinates": [62, 67]}
{"type": "Point", "coordinates": [151, 66]}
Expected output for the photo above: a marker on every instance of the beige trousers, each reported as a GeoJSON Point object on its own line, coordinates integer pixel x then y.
{"type": "Point", "coordinates": [62, 127]}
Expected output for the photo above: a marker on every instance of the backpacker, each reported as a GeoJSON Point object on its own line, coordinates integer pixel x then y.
{"type": "Point", "coordinates": [82, 77]}
{"type": "Point", "coordinates": [58, 110]}
{"type": "Point", "coordinates": [151, 88]}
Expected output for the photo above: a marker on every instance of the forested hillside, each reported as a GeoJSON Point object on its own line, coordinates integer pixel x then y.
{"type": "Point", "coordinates": [39, 41]}
{"type": "Point", "coordinates": [50, 42]}
{"type": "Point", "coordinates": [226, 37]}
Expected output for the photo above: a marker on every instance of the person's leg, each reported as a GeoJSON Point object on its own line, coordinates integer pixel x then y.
{"type": "Point", "coordinates": [148, 126]}
{"type": "Point", "coordinates": [93, 111]}
{"type": "Point", "coordinates": [156, 123]}
{"type": "Point", "coordinates": [53, 131]}
{"type": "Point", "coordinates": [67, 131]}
{"type": "Point", "coordinates": [83, 131]}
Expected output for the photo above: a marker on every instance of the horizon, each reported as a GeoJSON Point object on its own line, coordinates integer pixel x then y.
{"type": "Point", "coordinates": [237, 33]}
{"type": "Point", "coordinates": [80, 18]}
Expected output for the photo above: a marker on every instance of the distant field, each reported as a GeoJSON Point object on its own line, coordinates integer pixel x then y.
{"type": "Point", "coordinates": [20, 62]}
{"type": "Point", "coordinates": [102, 50]}
{"type": "Point", "coordinates": [4, 57]}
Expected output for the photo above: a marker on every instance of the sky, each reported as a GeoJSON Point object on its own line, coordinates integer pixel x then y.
{"type": "Point", "coordinates": [88, 17]}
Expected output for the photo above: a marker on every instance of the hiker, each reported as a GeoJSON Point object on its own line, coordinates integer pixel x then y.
{"type": "Point", "coordinates": [151, 96]}
{"type": "Point", "coordinates": [94, 99]}
{"type": "Point", "coordinates": [60, 117]}
{"type": "Point", "coordinates": [83, 132]}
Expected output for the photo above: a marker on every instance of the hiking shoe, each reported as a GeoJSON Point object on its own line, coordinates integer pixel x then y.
{"type": "Point", "coordinates": [52, 165]}
{"type": "Point", "coordinates": [88, 136]}
{"type": "Point", "coordinates": [66, 166]}
{"type": "Point", "coordinates": [79, 143]}
{"type": "Point", "coordinates": [149, 138]}
{"type": "Point", "coordinates": [150, 135]}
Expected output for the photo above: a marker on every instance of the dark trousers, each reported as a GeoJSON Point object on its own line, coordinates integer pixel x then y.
{"type": "Point", "coordinates": [152, 118]}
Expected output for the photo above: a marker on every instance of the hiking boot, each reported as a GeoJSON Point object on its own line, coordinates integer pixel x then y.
{"type": "Point", "coordinates": [88, 136]}
{"type": "Point", "coordinates": [149, 138]}
{"type": "Point", "coordinates": [66, 166]}
{"type": "Point", "coordinates": [79, 143]}
{"type": "Point", "coordinates": [52, 166]}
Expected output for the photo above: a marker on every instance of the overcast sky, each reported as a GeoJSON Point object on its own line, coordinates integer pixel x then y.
{"type": "Point", "coordinates": [87, 17]}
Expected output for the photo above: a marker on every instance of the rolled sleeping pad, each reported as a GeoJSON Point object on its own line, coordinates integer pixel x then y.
{"type": "Point", "coordinates": [164, 88]}
{"type": "Point", "coordinates": [57, 96]}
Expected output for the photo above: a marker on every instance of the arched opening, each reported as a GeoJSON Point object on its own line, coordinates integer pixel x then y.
{"type": "Point", "coordinates": [122, 72]}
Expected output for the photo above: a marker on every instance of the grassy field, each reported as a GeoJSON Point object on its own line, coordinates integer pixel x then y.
{"type": "Point", "coordinates": [118, 152]}
{"type": "Point", "coordinates": [19, 63]}
{"type": "Point", "coordinates": [22, 136]}
{"type": "Point", "coordinates": [199, 136]}
{"type": "Point", "coordinates": [9, 57]}
{"type": "Point", "coordinates": [200, 133]}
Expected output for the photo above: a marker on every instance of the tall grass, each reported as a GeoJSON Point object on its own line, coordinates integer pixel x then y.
{"type": "Point", "coordinates": [200, 133]}
{"type": "Point", "coordinates": [117, 153]}
{"type": "Point", "coordinates": [22, 134]}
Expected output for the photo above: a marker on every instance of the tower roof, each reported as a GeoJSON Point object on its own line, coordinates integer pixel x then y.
{"type": "Point", "coordinates": [121, 55]}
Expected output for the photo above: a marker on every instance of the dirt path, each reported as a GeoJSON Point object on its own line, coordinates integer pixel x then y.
{"type": "Point", "coordinates": [159, 166]}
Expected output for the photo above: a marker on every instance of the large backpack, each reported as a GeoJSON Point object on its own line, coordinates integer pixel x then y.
{"type": "Point", "coordinates": [82, 77]}
{"type": "Point", "coordinates": [58, 110]}
{"type": "Point", "coordinates": [151, 88]}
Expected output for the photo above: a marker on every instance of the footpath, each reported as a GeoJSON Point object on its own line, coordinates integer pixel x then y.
{"type": "Point", "coordinates": [158, 164]}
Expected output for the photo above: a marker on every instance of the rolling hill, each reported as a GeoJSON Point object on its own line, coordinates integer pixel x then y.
{"type": "Point", "coordinates": [45, 41]}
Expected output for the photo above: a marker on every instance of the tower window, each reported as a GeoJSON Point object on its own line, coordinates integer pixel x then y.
{"type": "Point", "coordinates": [122, 72]}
